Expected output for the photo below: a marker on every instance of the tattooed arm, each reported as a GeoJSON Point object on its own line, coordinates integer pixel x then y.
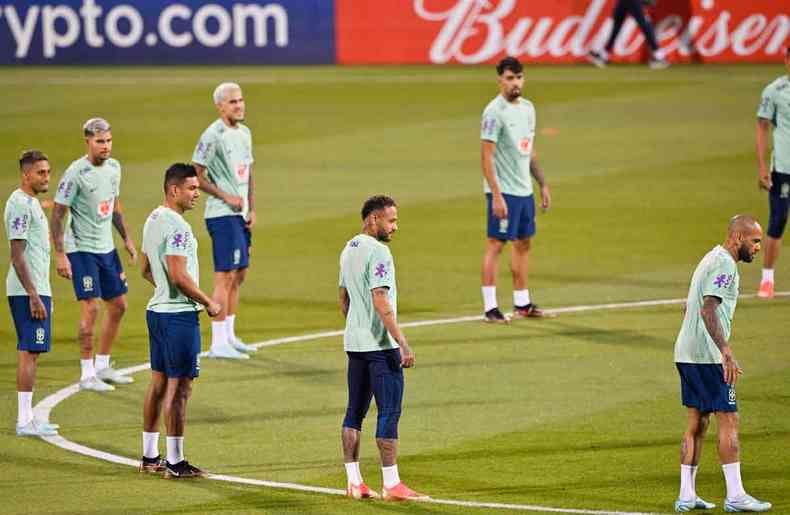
{"type": "Point", "coordinates": [120, 226]}
{"type": "Point", "coordinates": [387, 315]}
{"type": "Point", "coordinates": [708, 312]}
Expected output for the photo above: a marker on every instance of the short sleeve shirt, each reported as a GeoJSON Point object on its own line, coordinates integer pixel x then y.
{"type": "Point", "coordinates": [226, 153]}
{"type": "Point", "coordinates": [775, 106]}
{"type": "Point", "coordinates": [25, 220]}
{"type": "Point", "coordinates": [166, 233]}
{"type": "Point", "coordinates": [716, 276]}
{"type": "Point", "coordinates": [90, 192]}
{"type": "Point", "coordinates": [512, 128]}
{"type": "Point", "coordinates": [366, 264]}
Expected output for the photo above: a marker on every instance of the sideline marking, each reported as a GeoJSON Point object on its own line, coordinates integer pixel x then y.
{"type": "Point", "coordinates": [46, 405]}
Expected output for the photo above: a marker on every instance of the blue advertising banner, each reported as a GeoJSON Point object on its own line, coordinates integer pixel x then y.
{"type": "Point", "coordinates": [167, 32]}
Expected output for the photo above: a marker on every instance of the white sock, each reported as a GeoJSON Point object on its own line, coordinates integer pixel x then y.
{"type": "Point", "coordinates": [489, 298]}
{"type": "Point", "coordinates": [768, 275]}
{"type": "Point", "coordinates": [732, 475]}
{"type": "Point", "coordinates": [520, 298]}
{"type": "Point", "coordinates": [175, 449]}
{"type": "Point", "coordinates": [25, 411]}
{"type": "Point", "coordinates": [230, 324]}
{"type": "Point", "coordinates": [151, 445]}
{"type": "Point", "coordinates": [219, 334]}
{"type": "Point", "coordinates": [603, 53]}
{"type": "Point", "coordinates": [659, 54]}
{"type": "Point", "coordinates": [687, 492]}
{"type": "Point", "coordinates": [102, 361]}
{"type": "Point", "coordinates": [391, 477]}
{"type": "Point", "coordinates": [694, 478]}
{"type": "Point", "coordinates": [87, 369]}
{"type": "Point", "coordinates": [353, 473]}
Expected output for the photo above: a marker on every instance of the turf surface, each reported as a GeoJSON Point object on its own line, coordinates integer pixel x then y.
{"type": "Point", "coordinates": [581, 411]}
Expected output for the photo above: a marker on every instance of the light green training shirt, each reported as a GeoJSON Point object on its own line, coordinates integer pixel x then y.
{"type": "Point", "coordinates": [25, 220]}
{"type": "Point", "coordinates": [166, 233]}
{"type": "Point", "coordinates": [365, 264]}
{"type": "Point", "coordinates": [775, 106]}
{"type": "Point", "coordinates": [512, 128]}
{"type": "Point", "coordinates": [716, 276]}
{"type": "Point", "coordinates": [90, 192]}
{"type": "Point", "coordinates": [227, 155]}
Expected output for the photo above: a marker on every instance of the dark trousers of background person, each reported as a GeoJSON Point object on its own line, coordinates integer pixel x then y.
{"type": "Point", "coordinates": [635, 9]}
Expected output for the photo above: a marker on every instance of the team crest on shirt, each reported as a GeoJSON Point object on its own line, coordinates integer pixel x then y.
{"type": "Point", "coordinates": [40, 335]}
{"type": "Point", "coordinates": [104, 208]}
{"type": "Point", "coordinates": [87, 283]}
{"type": "Point", "coordinates": [723, 280]}
{"type": "Point", "coordinates": [525, 145]}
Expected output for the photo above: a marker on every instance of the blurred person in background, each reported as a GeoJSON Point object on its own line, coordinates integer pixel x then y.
{"type": "Point", "coordinates": [635, 8]}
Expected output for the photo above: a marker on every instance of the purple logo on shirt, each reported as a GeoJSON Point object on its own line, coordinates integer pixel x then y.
{"type": "Point", "coordinates": [19, 224]}
{"type": "Point", "coordinates": [381, 270]}
{"type": "Point", "coordinates": [65, 188]}
{"type": "Point", "coordinates": [489, 124]}
{"type": "Point", "coordinates": [180, 240]}
{"type": "Point", "coordinates": [723, 280]}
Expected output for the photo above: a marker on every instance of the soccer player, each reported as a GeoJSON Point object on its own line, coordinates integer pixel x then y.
{"type": "Point", "coordinates": [377, 349]}
{"type": "Point", "coordinates": [89, 192]}
{"type": "Point", "coordinates": [508, 161]}
{"type": "Point", "coordinates": [774, 112]}
{"type": "Point", "coordinates": [27, 284]}
{"type": "Point", "coordinates": [635, 8]}
{"type": "Point", "coordinates": [223, 159]}
{"type": "Point", "coordinates": [170, 262]}
{"type": "Point", "coordinates": [708, 369]}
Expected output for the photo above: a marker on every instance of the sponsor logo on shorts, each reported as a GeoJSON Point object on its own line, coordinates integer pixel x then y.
{"type": "Point", "coordinates": [40, 335]}
{"type": "Point", "coordinates": [237, 256]}
{"type": "Point", "coordinates": [784, 192]}
{"type": "Point", "coordinates": [503, 225]}
{"type": "Point", "coordinates": [87, 283]}
{"type": "Point", "coordinates": [732, 395]}
{"type": "Point", "coordinates": [197, 363]}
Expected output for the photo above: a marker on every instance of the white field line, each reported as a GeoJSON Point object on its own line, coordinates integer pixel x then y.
{"type": "Point", "coordinates": [44, 408]}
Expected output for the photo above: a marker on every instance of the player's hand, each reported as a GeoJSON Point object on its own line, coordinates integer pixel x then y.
{"type": "Point", "coordinates": [545, 198]}
{"type": "Point", "coordinates": [406, 355]}
{"type": "Point", "coordinates": [499, 207]}
{"type": "Point", "coordinates": [251, 220]}
{"type": "Point", "coordinates": [130, 248]}
{"type": "Point", "coordinates": [37, 309]}
{"type": "Point", "coordinates": [235, 202]}
{"type": "Point", "coordinates": [730, 366]}
{"type": "Point", "coordinates": [62, 265]}
{"type": "Point", "coordinates": [764, 182]}
{"type": "Point", "coordinates": [213, 308]}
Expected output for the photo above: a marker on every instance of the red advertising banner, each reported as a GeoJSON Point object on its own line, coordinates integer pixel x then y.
{"type": "Point", "coordinates": [556, 31]}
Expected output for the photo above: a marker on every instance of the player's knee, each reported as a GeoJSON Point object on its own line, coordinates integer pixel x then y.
{"type": "Point", "coordinates": [387, 426]}
{"type": "Point", "coordinates": [353, 418]}
{"type": "Point", "coordinates": [119, 306]}
{"type": "Point", "coordinates": [90, 310]}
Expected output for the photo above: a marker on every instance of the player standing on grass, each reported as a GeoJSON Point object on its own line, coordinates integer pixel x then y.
{"type": "Point", "coordinates": [707, 366]}
{"type": "Point", "coordinates": [507, 144]}
{"type": "Point", "coordinates": [170, 262]}
{"type": "Point", "coordinates": [377, 349]}
{"type": "Point", "coordinates": [223, 159]}
{"type": "Point", "coordinates": [774, 112]}
{"type": "Point", "coordinates": [27, 284]}
{"type": "Point", "coordinates": [89, 192]}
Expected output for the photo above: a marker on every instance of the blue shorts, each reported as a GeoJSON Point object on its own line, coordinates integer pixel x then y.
{"type": "Point", "coordinates": [778, 204]}
{"type": "Point", "coordinates": [702, 386]}
{"type": "Point", "coordinates": [230, 242]}
{"type": "Point", "coordinates": [375, 374]}
{"type": "Point", "coordinates": [31, 335]}
{"type": "Point", "coordinates": [174, 340]}
{"type": "Point", "coordinates": [520, 222]}
{"type": "Point", "coordinates": [97, 275]}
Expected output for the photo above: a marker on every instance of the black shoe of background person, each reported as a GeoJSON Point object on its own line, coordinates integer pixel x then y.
{"type": "Point", "coordinates": [182, 470]}
{"type": "Point", "coordinates": [494, 316]}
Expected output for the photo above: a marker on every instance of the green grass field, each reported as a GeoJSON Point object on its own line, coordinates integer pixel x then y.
{"type": "Point", "coordinates": [577, 412]}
